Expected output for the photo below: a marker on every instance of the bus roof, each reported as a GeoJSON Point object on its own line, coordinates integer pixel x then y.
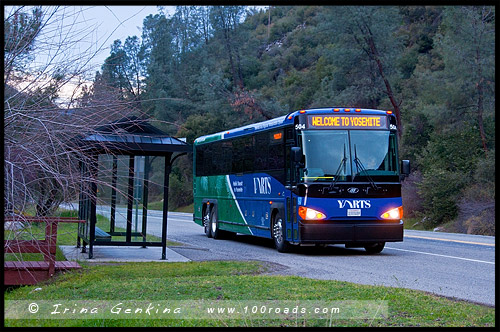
{"type": "Point", "coordinates": [281, 122]}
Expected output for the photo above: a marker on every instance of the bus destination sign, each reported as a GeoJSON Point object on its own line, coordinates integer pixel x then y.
{"type": "Point", "coordinates": [341, 121]}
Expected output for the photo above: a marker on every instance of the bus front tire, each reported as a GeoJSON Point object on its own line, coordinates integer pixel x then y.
{"type": "Point", "coordinates": [375, 248]}
{"type": "Point", "coordinates": [279, 234]}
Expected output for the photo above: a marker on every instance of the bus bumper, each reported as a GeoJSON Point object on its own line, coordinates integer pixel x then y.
{"type": "Point", "coordinates": [348, 232]}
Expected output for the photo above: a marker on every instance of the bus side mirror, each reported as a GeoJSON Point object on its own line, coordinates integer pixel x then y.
{"type": "Point", "coordinates": [297, 154]}
{"type": "Point", "coordinates": [405, 167]}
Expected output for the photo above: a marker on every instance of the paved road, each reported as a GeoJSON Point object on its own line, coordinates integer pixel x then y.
{"type": "Point", "coordinates": [453, 265]}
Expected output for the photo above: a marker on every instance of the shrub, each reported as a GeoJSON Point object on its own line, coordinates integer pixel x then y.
{"type": "Point", "coordinates": [180, 192]}
{"type": "Point", "coordinates": [476, 213]}
{"type": "Point", "coordinates": [440, 190]}
{"type": "Point", "coordinates": [412, 202]}
{"type": "Point", "coordinates": [484, 224]}
{"type": "Point", "coordinates": [485, 169]}
{"type": "Point", "coordinates": [448, 164]}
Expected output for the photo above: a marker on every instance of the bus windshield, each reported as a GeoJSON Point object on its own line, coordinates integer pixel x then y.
{"type": "Point", "coordinates": [349, 155]}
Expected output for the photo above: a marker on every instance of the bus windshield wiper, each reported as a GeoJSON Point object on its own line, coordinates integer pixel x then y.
{"type": "Point", "coordinates": [359, 165]}
{"type": "Point", "coordinates": [337, 173]}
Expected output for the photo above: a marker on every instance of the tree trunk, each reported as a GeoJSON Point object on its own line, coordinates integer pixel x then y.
{"type": "Point", "coordinates": [231, 62]}
{"type": "Point", "coordinates": [376, 57]}
{"type": "Point", "coordinates": [480, 109]}
{"type": "Point", "coordinates": [480, 83]}
{"type": "Point", "coordinates": [268, 22]}
{"type": "Point", "coordinates": [227, 37]}
{"type": "Point", "coordinates": [240, 75]}
{"type": "Point", "coordinates": [229, 50]}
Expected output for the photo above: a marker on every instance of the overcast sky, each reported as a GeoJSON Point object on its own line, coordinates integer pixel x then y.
{"type": "Point", "coordinates": [118, 22]}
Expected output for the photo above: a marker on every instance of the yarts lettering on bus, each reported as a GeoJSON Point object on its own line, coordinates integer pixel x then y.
{"type": "Point", "coordinates": [355, 204]}
{"type": "Point", "coordinates": [262, 185]}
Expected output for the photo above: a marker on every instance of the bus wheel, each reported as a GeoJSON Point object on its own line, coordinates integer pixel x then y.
{"type": "Point", "coordinates": [279, 234]}
{"type": "Point", "coordinates": [375, 248]}
{"type": "Point", "coordinates": [206, 222]}
{"type": "Point", "coordinates": [214, 227]}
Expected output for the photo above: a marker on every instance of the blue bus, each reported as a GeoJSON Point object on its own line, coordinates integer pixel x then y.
{"type": "Point", "coordinates": [317, 176]}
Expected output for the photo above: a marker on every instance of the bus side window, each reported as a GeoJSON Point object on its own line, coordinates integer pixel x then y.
{"type": "Point", "coordinates": [208, 160]}
{"type": "Point", "coordinates": [236, 164]}
{"type": "Point", "coordinates": [248, 154]}
{"type": "Point", "coordinates": [217, 164]}
{"type": "Point", "coordinates": [261, 151]}
{"type": "Point", "coordinates": [200, 169]}
{"type": "Point", "coordinates": [226, 157]}
{"type": "Point", "coordinates": [276, 150]}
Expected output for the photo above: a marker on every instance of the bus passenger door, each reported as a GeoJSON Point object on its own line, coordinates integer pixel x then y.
{"type": "Point", "coordinates": [291, 178]}
{"type": "Point", "coordinates": [291, 225]}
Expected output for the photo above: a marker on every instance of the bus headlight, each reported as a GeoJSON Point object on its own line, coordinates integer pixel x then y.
{"type": "Point", "coordinates": [396, 213]}
{"type": "Point", "coordinates": [310, 214]}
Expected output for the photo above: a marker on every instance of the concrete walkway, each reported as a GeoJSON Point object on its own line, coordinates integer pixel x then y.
{"type": "Point", "coordinates": [122, 254]}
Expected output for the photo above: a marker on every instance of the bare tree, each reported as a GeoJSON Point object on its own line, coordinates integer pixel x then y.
{"type": "Point", "coordinates": [41, 68]}
{"type": "Point", "coordinates": [46, 73]}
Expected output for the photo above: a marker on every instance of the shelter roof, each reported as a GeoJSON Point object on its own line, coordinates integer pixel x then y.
{"type": "Point", "coordinates": [131, 135]}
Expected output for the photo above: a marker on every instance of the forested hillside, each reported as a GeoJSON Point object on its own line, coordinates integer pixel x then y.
{"type": "Point", "coordinates": [206, 69]}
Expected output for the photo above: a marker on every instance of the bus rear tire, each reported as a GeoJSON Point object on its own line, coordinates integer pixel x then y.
{"type": "Point", "coordinates": [206, 222]}
{"type": "Point", "coordinates": [278, 232]}
{"type": "Point", "coordinates": [375, 248]}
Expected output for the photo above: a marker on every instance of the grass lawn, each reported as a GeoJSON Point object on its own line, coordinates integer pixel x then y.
{"type": "Point", "coordinates": [158, 205]}
{"type": "Point", "coordinates": [221, 281]}
{"type": "Point", "coordinates": [187, 209]}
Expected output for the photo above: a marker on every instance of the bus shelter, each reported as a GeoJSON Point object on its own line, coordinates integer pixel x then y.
{"type": "Point", "coordinates": [118, 161]}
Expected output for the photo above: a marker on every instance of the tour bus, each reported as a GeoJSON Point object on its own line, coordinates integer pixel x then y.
{"type": "Point", "coordinates": [317, 176]}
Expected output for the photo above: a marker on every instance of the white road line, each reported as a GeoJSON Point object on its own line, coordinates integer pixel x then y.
{"type": "Point", "coordinates": [428, 253]}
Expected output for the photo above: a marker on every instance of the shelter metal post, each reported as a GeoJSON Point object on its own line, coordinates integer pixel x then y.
{"type": "Point", "coordinates": [113, 194]}
{"type": "Point", "coordinates": [168, 168]}
{"type": "Point", "coordinates": [130, 198]}
{"type": "Point", "coordinates": [145, 199]}
{"type": "Point", "coordinates": [93, 172]}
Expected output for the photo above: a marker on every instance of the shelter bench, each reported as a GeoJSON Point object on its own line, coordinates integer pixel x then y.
{"type": "Point", "coordinates": [33, 272]}
{"type": "Point", "coordinates": [101, 235]}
